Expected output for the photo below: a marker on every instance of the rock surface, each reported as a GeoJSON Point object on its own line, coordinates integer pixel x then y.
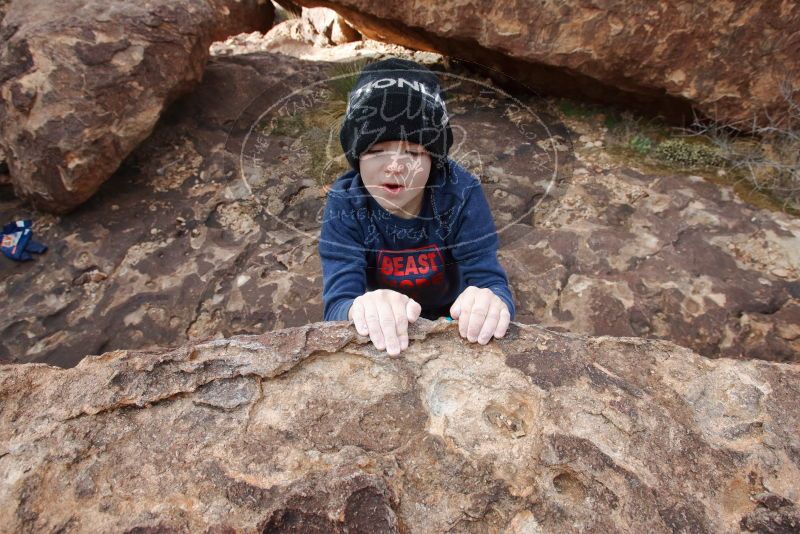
{"type": "Point", "coordinates": [311, 430]}
{"type": "Point", "coordinates": [327, 27]}
{"type": "Point", "coordinates": [626, 252]}
{"type": "Point", "coordinates": [184, 248]}
{"type": "Point", "coordinates": [729, 59]}
{"type": "Point", "coordinates": [316, 28]}
{"type": "Point", "coordinates": [83, 83]}
{"type": "Point", "coordinates": [287, 38]}
{"type": "Point", "coordinates": [178, 246]}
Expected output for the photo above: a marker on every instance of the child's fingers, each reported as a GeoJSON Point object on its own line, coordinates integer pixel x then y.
{"type": "Point", "coordinates": [413, 309]}
{"type": "Point", "coordinates": [455, 309]}
{"type": "Point", "coordinates": [398, 303]}
{"type": "Point", "coordinates": [358, 318]}
{"type": "Point", "coordinates": [505, 320]}
{"type": "Point", "coordinates": [388, 328]}
{"type": "Point", "coordinates": [478, 313]}
{"type": "Point", "coordinates": [465, 311]}
{"type": "Point", "coordinates": [491, 322]}
{"type": "Point", "coordinates": [403, 341]}
{"type": "Point", "coordinates": [373, 323]}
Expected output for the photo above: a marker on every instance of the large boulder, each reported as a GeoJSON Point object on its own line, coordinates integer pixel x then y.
{"type": "Point", "coordinates": [83, 83]}
{"type": "Point", "coordinates": [730, 60]}
{"type": "Point", "coordinates": [311, 430]}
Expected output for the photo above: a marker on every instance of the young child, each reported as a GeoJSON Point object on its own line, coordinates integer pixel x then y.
{"type": "Point", "coordinates": [408, 232]}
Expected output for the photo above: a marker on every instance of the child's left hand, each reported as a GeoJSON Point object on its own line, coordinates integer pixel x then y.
{"type": "Point", "coordinates": [481, 314]}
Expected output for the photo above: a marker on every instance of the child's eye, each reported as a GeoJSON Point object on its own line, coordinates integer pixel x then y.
{"type": "Point", "coordinates": [377, 151]}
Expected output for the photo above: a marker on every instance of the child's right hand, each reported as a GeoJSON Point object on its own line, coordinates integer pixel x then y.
{"type": "Point", "coordinates": [384, 314]}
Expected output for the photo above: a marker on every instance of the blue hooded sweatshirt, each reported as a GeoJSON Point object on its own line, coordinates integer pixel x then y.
{"type": "Point", "coordinates": [432, 258]}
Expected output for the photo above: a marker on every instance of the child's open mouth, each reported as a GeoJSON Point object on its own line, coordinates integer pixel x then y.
{"type": "Point", "coordinates": [393, 188]}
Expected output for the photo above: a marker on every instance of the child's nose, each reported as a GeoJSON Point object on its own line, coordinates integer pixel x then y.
{"type": "Point", "coordinates": [395, 166]}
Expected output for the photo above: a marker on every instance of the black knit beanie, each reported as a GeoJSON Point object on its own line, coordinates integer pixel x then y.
{"type": "Point", "coordinates": [392, 100]}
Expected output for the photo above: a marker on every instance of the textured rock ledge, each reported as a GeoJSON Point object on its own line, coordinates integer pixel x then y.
{"type": "Point", "coordinates": [312, 429]}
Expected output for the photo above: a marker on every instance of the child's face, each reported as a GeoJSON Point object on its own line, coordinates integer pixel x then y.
{"type": "Point", "coordinates": [395, 174]}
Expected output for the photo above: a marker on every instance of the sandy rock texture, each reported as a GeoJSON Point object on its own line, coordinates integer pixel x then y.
{"type": "Point", "coordinates": [83, 83]}
{"type": "Point", "coordinates": [309, 429]}
{"type": "Point", "coordinates": [728, 59]}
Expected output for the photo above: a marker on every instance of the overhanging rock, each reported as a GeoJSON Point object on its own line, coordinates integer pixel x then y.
{"type": "Point", "coordinates": [734, 62]}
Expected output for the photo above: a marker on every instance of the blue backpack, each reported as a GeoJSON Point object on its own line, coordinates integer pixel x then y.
{"type": "Point", "coordinates": [17, 242]}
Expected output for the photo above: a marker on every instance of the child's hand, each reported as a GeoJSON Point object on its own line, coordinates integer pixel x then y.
{"type": "Point", "coordinates": [384, 315]}
{"type": "Point", "coordinates": [481, 314]}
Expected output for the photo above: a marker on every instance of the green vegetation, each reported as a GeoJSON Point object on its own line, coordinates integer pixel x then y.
{"type": "Point", "coordinates": [764, 169]}
{"type": "Point", "coordinates": [315, 122]}
{"type": "Point", "coordinates": [287, 126]}
{"type": "Point", "coordinates": [641, 145]}
{"type": "Point", "coordinates": [342, 78]}
{"type": "Point", "coordinates": [684, 153]}
{"type": "Point", "coordinates": [769, 160]}
{"type": "Point", "coordinates": [579, 110]}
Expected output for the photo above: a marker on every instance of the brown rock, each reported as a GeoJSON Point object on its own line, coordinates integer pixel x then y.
{"type": "Point", "coordinates": [217, 263]}
{"type": "Point", "coordinates": [311, 430]}
{"type": "Point", "coordinates": [326, 27]}
{"type": "Point", "coordinates": [729, 60]}
{"type": "Point", "coordinates": [610, 251]}
{"type": "Point", "coordinates": [80, 92]}
{"type": "Point", "coordinates": [320, 27]}
{"type": "Point", "coordinates": [342, 32]}
{"type": "Point", "coordinates": [625, 253]}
